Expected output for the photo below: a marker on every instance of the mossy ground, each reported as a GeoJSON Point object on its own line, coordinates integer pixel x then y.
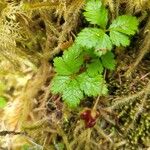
{"type": "Point", "coordinates": [120, 126]}
{"type": "Point", "coordinates": [40, 120]}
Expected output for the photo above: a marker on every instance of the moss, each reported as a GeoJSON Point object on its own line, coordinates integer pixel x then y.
{"type": "Point", "coordinates": [32, 33]}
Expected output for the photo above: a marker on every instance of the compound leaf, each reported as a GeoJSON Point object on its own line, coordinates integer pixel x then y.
{"type": "Point", "coordinates": [96, 13]}
{"type": "Point", "coordinates": [92, 85]}
{"type": "Point", "coordinates": [125, 24]}
{"type": "Point", "coordinates": [70, 62]}
{"type": "Point", "coordinates": [119, 39]}
{"type": "Point", "coordinates": [59, 84]}
{"type": "Point", "coordinates": [72, 95]}
{"type": "Point", "coordinates": [61, 67]}
{"type": "Point", "coordinates": [73, 58]}
{"type": "Point", "coordinates": [70, 81]}
{"type": "Point", "coordinates": [108, 61]}
{"type": "Point", "coordinates": [96, 39]}
{"type": "Point", "coordinates": [68, 88]}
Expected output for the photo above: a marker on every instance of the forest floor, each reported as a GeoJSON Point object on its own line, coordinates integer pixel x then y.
{"type": "Point", "coordinates": [122, 121]}
{"type": "Point", "coordinates": [36, 119]}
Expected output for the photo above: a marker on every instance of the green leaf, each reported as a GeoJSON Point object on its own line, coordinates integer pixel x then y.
{"type": "Point", "coordinates": [69, 88]}
{"type": "Point", "coordinates": [92, 86]}
{"type": "Point", "coordinates": [119, 39]}
{"type": "Point", "coordinates": [72, 95]}
{"type": "Point", "coordinates": [70, 62]}
{"type": "Point", "coordinates": [59, 84]}
{"type": "Point", "coordinates": [61, 67]}
{"type": "Point", "coordinates": [95, 13]}
{"type": "Point", "coordinates": [95, 67]}
{"type": "Point", "coordinates": [2, 102]}
{"type": "Point", "coordinates": [121, 27]}
{"type": "Point", "coordinates": [94, 38]}
{"type": "Point", "coordinates": [108, 61]}
{"type": "Point", "coordinates": [73, 58]}
{"type": "Point", "coordinates": [125, 24]}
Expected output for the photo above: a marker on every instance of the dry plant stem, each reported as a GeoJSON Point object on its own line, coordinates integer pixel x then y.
{"type": "Point", "coordinates": [77, 129]}
{"type": "Point", "coordinates": [95, 144]}
{"type": "Point", "coordinates": [111, 5]}
{"type": "Point", "coordinates": [71, 19]}
{"type": "Point", "coordinates": [101, 133]}
{"type": "Point", "coordinates": [44, 143]}
{"type": "Point", "coordinates": [124, 100]}
{"type": "Point", "coordinates": [33, 86]}
{"type": "Point", "coordinates": [34, 143]}
{"type": "Point", "coordinates": [105, 116]}
{"type": "Point", "coordinates": [71, 16]}
{"type": "Point", "coordinates": [41, 5]}
{"type": "Point", "coordinates": [88, 140]}
{"type": "Point", "coordinates": [43, 102]}
{"type": "Point", "coordinates": [140, 109]}
{"type": "Point", "coordinates": [120, 144]}
{"type": "Point", "coordinates": [79, 138]}
{"type": "Point", "coordinates": [96, 103]}
{"type": "Point", "coordinates": [32, 89]}
{"type": "Point", "coordinates": [35, 125]}
{"type": "Point", "coordinates": [64, 137]}
{"type": "Point", "coordinates": [117, 7]}
{"type": "Point", "coordinates": [82, 141]}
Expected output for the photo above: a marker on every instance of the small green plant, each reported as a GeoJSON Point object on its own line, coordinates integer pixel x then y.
{"type": "Point", "coordinates": [79, 72]}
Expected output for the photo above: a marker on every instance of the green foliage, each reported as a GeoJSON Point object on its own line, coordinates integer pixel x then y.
{"type": "Point", "coordinates": [2, 102]}
{"type": "Point", "coordinates": [92, 85]}
{"type": "Point", "coordinates": [97, 39]}
{"type": "Point", "coordinates": [119, 31]}
{"type": "Point", "coordinates": [71, 82]}
{"type": "Point", "coordinates": [119, 39]}
{"type": "Point", "coordinates": [125, 24]}
{"type": "Point", "coordinates": [73, 94]}
{"type": "Point", "coordinates": [121, 28]}
{"type": "Point", "coordinates": [69, 63]}
{"type": "Point", "coordinates": [79, 72]}
{"type": "Point", "coordinates": [95, 13]}
{"type": "Point", "coordinates": [108, 61]}
{"type": "Point", "coordinates": [95, 67]}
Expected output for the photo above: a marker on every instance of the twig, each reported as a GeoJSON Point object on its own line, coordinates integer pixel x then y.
{"type": "Point", "coordinates": [64, 137]}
